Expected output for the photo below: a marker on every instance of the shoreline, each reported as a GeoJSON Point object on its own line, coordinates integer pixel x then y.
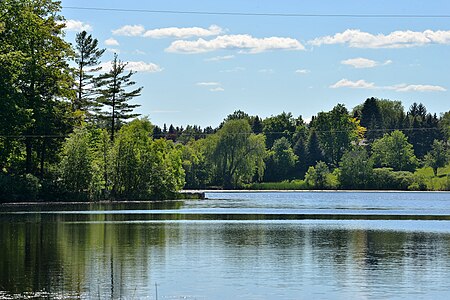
{"type": "Point", "coordinates": [188, 192]}
{"type": "Point", "coordinates": [309, 191]}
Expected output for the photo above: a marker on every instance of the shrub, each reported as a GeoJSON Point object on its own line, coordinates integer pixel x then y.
{"type": "Point", "coordinates": [386, 179]}
{"type": "Point", "coordinates": [19, 188]}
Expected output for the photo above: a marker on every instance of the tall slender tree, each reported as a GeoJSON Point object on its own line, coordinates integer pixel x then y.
{"type": "Point", "coordinates": [114, 96]}
{"type": "Point", "coordinates": [87, 58]}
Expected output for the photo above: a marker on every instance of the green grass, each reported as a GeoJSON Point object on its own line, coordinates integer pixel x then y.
{"type": "Point", "coordinates": [284, 185]}
{"type": "Point", "coordinates": [441, 182]}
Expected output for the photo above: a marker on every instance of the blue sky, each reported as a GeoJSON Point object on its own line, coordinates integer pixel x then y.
{"type": "Point", "coordinates": [197, 69]}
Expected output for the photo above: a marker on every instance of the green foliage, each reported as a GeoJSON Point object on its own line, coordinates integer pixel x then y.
{"type": "Point", "coordinates": [392, 112]}
{"type": "Point", "coordinates": [421, 129]}
{"type": "Point", "coordinates": [444, 125]}
{"type": "Point", "coordinates": [37, 87]}
{"type": "Point", "coordinates": [236, 153]}
{"type": "Point", "coordinates": [198, 172]}
{"type": "Point", "coordinates": [113, 87]}
{"type": "Point", "coordinates": [313, 152]}
{"type": "Point", "coordinates": [283, 185]}
{"type": "Point", "coordinates": [438, 156]}
{"type": "Point", "coordinates": [281, 161]}
{"type": "Point", "coordinates": [316, 177]}
{"type": "Point", "coordinates": [394, 151]}
{"type": "Point", "coordinates": [19, 188]}
{"type": "Point", "coordinates": [142, 168]}
{"type": "Point", "coordinates": [282, 125]}
{"type": "Point", "coordinates": [76, 165]}
{"type": "Point", "coordinates": [34, 57]}
{"type": "Point", "coordinates": [386, 179]}
{"type": "Point", "coordinates": [87, 58]}
{"type": "Point", "coordinates": [371, 118]}
{"type": "Point", "coordinates": [167, 176]}
{"type": "Point", "coordinates": [356, 169]}
{"type": "Point", "coordinates": [337, 131]}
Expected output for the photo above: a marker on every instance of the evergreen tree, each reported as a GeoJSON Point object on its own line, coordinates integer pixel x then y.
{"type": "Point", "coordinates": [172, 133]}
{"type": "Point", "coordinates": [87, 58]}
{"type": "Point", "coordinates": [371, 119]}
{"type": "Point", "coordinates": [422, 129]}
{"type": "Point", "coordinates": [313, 152]}
{"type": "Point", "coordinates": [112, 87]}
{"type": "Point", "coordinates": [301, 152]}
{"type": "Point", "coordinates": [257, 126]}
{"type": "Point", "coordinates": [157, 132]}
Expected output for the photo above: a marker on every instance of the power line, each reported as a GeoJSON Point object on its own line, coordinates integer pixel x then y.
{"type": "Point", "coordinates": [236, 133]}
{"type": "Point", "coordinates": [250, 14]}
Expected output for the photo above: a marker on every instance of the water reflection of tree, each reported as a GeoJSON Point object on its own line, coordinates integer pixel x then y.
{"type": "Point", "coordinates": [112, 259]}
{"type": "Point", "coordinates": [76, 258]}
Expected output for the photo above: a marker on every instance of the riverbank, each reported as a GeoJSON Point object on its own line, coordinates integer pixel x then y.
{"type": "Point", "coordinates": [311, 191]}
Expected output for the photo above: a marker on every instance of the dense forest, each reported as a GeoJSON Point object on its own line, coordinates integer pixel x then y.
{"type": "Point", "coordinates": [70, 132]}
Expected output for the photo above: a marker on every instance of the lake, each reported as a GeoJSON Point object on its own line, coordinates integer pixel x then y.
{"type": "Point", "coordinates": [305, 245]}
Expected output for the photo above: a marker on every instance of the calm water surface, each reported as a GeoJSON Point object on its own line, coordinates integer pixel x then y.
{"type": "Point", "coordinates": [231, 246]}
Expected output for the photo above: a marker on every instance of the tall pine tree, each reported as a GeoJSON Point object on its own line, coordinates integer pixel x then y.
{"type": "Point", "coordinates": [114, 96]}
{"type": "Point", "coordinates": [87, 58]}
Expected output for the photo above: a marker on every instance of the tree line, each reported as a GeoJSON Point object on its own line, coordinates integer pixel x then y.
{"type": "Point", "coordinates": [68, 130]}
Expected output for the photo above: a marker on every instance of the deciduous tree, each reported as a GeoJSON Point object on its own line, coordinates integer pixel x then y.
{"type": "Point", "coordinates": [236, 153]}
{"type": "Point", "coordinates": [32, 35]}
{"type": "Point", "coordinates": [356, 169]}
{"type": "Point", "coordinates": [337, 132]}
{"type": "Point", "coordinates": [437, 157]}
{"type": "Point", "coordinates": [394, 151]}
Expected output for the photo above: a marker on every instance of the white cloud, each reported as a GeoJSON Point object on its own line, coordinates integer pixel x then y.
{"type": "Point", "coordinates": [182, 33]}
{"type": "Point", "coordinates": [129, 30]}
{"type": "Point", "coordinates": [302, 71]}
{"type": "Point", "coordinates": [219, 58]}
{"type": "Point", "coordinates": [111, 42]}
{"type": "Point", "coordinates": [356, 38]}
{"type": "Point", "coordinates": [208, 83]}
{"type": "Point", "coordinates": [362, 84]}
{"type": "Point", "coordinates": [217, 89]}
{"type": "Point", "coordinates": [243, 42]}
{"type": "Point", "coordinates": [76, 25]}
{"type": "Point", "coordinates": [360, 63]}
{"type": "Point", "coordinates": [213, 86]}
{"type": "Point", "coordinates": [237, 69]}
{"type": "Point", "coordinates": [141, 66]}
{"type": "Point", "coordinates": [418, 88]}
{"type": "Point", "coordinates": [138, 66]}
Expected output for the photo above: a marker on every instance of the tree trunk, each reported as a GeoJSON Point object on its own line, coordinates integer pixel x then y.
{"type": "Point", "coordinates": [43, 150]}
{"type": "Point", "coordinates": [28, 163]}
